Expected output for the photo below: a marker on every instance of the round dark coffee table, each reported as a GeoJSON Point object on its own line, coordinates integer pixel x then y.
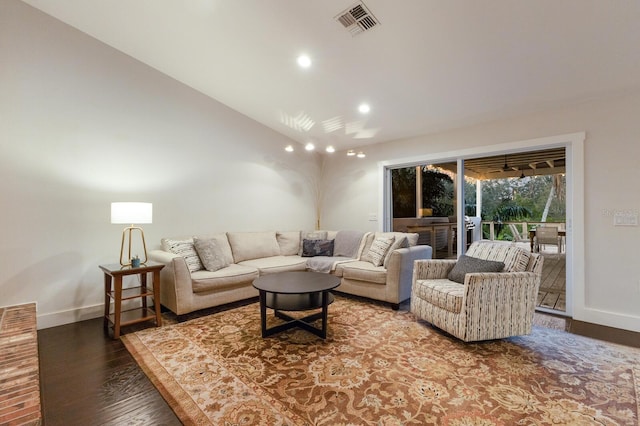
{"type": "Point", "coordinates": [295, 291]}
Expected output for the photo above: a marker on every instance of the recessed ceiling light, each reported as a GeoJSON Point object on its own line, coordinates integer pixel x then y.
{"type": "Point", "coordinates": [304, 61]}
{"type": "Point", "coordinates": [361, 154]}
{"type": "Point", "coordinates": [309, 147]}
{"type": "Point", "coordinates": [289, 148]}
{"type": "Point", "coordinates": [351, 153]}
{"type": "Point", "coordinates": [330, 148]}
{"type": "Point", "coordinates": [364, 108]}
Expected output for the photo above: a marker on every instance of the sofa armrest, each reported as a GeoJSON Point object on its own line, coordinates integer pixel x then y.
{"type": "Point", "coordinates": [400, 271]}
{"type": "Point", "coordinates": [175, 279]}
{"type": "Point", "coordinates": [162, 256]}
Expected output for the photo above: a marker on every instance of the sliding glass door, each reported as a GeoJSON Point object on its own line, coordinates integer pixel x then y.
{"type": "Point", "coordinates": [504, 197]}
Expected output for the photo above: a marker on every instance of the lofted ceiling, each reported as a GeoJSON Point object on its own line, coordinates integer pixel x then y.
{"type": "Point", "coordinates": [427, 66]}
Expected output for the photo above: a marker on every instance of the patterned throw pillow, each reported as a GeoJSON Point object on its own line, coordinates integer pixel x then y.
{"type": "Point", "coordinates": [378, 249]}
{"type": "Point", "coordinates": [186, 249]}
{"type": "Point", "coordinates": [210, 254]}
{"type": "Point", "coordinates": [311, 235]}
{"type": "Point", "coordinates": [399, 242]}
{"type": "Point", "coordinates": [311, 248]}
{"type": "Point", "coordinates": [468, 264]}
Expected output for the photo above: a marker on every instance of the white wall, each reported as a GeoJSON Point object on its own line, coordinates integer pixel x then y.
{"type": "Point", "coordinates": [82, 125]}
{"type": "Point", "coordinates": [609, 294]}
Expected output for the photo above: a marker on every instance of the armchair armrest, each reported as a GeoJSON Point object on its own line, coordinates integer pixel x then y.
{"type": "Point", "coordinates": [498, 304]}
{"type": "Point", "coordinates": [490, 283]}
{"type": "Point", "coordinates": [432, 269]}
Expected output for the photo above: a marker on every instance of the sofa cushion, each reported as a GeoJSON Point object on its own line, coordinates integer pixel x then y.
{"type": "Point", "coordinates": [210, 254]}
{"type": "Point", "coordinates": [378, 250]}
{"type": "Point", "coordinates": [253, 245]}
{"type": "Point", "coordinates": [229, 277]}
{"type": "Point", "coordinates": [186, 249]}
{"type": "Point", "coordinates": [442, 293]}
{"type": "Point", "coordinates": [311, 235]}
{"type": "Point", "coordinates": [515, 258]}
{"type": "Point", "coordinates": [270, 265]}
{"type": "Point", "coordinates": [289, 242]}
{"type": "Point", "coordinates": [312, 248]}
{"type": "Point", "coordinates": [347, 243]}
{"type": "Point", "coordinates": [362, 271]}
{"type": "Point", "coordinates": [468, 264]}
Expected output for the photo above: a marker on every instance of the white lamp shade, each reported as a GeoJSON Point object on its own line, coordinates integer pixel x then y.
{"type": "Point", "coordinates": [131, 212]}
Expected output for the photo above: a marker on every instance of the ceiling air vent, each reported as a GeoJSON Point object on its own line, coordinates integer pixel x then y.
{"type": "Point", "coordinates": [357, 19]}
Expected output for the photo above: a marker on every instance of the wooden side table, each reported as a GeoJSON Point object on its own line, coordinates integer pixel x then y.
{"type": "Point", "coordinates": [113, 273]}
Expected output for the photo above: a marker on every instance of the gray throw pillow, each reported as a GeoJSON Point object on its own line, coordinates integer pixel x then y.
{"type": "Point", "coordinates": [311, 248]}
{"type": "Point", "coordinates": [311, 235]}
{"type": "Point", "coordinates": [467, 264]}
{"type": "Point", "coordinates": [210, 254]}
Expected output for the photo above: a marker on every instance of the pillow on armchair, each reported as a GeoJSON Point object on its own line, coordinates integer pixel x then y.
{"type": "Point", "coordinates": [468, 264]}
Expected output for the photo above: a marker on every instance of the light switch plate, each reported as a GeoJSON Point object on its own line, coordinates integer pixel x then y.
{"type": "Point", "coordinates": [625, 219]}
{"type": "Point", "coordinates": [373, 217]}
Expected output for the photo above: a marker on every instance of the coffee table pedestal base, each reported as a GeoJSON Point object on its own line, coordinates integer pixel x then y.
{"type": "Point", "coordinates": [297, 302]}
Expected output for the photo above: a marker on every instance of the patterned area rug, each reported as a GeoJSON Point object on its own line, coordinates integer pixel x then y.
{"type": "Point", "coordinates": [383, 367]}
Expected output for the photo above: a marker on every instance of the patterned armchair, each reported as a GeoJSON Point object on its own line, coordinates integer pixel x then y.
{"type": "Point", "coordinates": [489, 305]}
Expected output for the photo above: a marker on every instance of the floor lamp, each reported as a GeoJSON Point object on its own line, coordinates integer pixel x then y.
{"type": "Point", "coordinates": [131, 213]}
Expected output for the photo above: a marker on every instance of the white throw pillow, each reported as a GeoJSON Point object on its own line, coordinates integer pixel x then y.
{"type": "Point", "coordinates": [378, 250]}
{"type": "Point", "coordinates": [186, 249]}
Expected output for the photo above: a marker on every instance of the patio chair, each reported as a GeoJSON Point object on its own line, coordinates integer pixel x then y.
{"type": "Point", "coordinates": [548, 235]}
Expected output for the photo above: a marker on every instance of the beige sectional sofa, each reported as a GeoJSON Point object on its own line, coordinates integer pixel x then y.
{"type": "Point", "coordinates": [186, 286]}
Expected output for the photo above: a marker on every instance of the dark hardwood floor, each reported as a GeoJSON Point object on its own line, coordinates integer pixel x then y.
{"type": "Point", "coordinates": [87, 378]}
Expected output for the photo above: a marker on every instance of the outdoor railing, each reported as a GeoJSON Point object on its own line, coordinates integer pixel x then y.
{"type": "Point", "coordinates": [522, 228]}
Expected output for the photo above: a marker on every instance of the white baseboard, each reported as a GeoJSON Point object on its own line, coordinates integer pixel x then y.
{"type": "Point", "coordinates": [70, 316]}
{"type": "Point", "coordinates": [609, 319]}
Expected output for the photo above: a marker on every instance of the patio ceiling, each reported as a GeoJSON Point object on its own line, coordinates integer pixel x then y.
{"type": "Point", "coordinates": [530, 163]}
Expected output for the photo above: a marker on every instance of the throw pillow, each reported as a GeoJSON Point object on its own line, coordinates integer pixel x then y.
{"type": "Point", "coordinates": [311, 248]}
{"type": "Point", "coordinates": [378, 250]}
{"type": "Point", "coordinates": [401, 242]}
{"type": "Point", "coordinates": [210, 254]}
{"type": "Point", "coordinates": [468, 264]}
{"type": "Point", "coordinates": [311, 235]}
{"type": "Point", "coordinates": [186, 249]}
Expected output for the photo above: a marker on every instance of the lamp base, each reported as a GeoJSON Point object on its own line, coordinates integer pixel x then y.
{"type": "Point", "coordinates": [127, 232]}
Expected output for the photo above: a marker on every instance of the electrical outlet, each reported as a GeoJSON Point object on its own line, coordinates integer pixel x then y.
{"type": "Point", "coordinates": [373, 217]}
